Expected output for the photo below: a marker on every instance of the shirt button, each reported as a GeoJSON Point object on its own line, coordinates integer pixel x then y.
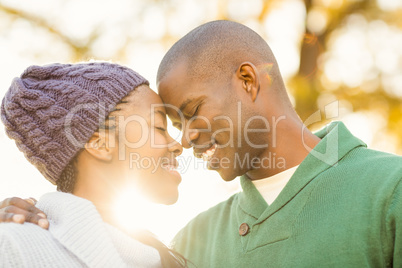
{"type": "Point", "coordinates": [243, 229]}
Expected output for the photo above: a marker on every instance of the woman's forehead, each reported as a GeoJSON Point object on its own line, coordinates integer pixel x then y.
{"type": "Point", "coordinates": [144, 101]}
{"type": "Point", "coordinates": [147, 94]}
{"type": "Point", "coordinates": [143, 95]}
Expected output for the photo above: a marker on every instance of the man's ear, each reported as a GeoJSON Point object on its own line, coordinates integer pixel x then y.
{"type": "Point", "coordinates": [248, 74]}
{"type": "Point", "coordinates": [98, 147]}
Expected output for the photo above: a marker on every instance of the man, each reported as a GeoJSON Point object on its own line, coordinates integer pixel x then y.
{"type": "Point", "coordinates": [321, 200]}
{"type": "Point", "coordinates": [342, 203]}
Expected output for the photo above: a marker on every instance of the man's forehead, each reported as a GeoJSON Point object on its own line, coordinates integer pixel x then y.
{"type": "Point", "coordinates": [176, 71]}
{"type": "Point", "coordinates": [179, 82]}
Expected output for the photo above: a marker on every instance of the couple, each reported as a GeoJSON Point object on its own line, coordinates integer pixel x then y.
{"type": "Point", "coordinates": [331, 203]}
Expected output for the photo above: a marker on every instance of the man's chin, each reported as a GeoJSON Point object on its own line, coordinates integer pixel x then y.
{"type": "Point", "coordinates": [227, 175]}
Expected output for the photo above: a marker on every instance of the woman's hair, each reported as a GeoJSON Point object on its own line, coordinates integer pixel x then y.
{"type": "Point", "coordinates": [68, 177]}
{"type": "Point", "coordinates": [66, 183]}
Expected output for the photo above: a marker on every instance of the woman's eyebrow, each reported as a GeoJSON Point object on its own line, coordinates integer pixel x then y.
{"type": "Point", "coordinates": [160, 112]}
{"type": "Point", "coordinates": [116, 108]}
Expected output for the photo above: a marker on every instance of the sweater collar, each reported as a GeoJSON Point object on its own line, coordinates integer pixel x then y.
{"type": "Point", "coordinates": [336, 142]}
{"type": "Point", "coordinates": [78, 226]}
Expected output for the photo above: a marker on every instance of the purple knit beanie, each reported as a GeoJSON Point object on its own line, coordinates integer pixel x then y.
{"type": "Point", "coordinates": [51, 111]}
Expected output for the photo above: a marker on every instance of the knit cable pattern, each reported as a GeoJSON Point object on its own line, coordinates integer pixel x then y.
{"type": "Point", "coordinates": [51, 111]}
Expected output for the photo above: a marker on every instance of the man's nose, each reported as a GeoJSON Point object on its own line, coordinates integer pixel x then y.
{"type": "Point", "coordinates": [188, 138]}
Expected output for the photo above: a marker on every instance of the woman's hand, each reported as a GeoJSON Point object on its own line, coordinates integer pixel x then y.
{"type": "Point", "coordinates": [19, 210]}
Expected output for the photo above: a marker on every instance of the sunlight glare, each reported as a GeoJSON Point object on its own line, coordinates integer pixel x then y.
{"type": "Point", "coordinates": [131, 208]}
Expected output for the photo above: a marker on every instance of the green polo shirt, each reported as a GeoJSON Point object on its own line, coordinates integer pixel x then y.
{"type": "Point", "coordinates": [341, 208]}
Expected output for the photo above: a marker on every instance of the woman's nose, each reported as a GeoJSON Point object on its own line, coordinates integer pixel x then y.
{"type": "Point", "coordinates": [175, 147]}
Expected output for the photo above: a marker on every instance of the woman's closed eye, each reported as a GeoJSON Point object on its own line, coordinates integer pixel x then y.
{"type": "Point", "coordinates": [161, 129]}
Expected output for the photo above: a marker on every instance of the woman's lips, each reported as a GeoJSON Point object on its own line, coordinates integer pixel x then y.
{"type": "Point", "coordinates": [172, 169]}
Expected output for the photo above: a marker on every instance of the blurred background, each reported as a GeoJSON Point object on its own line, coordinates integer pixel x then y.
{"type": "Point", "coordinates": [341, 60]}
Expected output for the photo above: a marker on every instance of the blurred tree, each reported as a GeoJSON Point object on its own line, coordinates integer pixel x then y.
{"type": "Point", "coordinates": [79, 50]}
{"type": "Point", "coordinates": [306, 86]}
{"type": "Point", "coordinates": [326, 22]}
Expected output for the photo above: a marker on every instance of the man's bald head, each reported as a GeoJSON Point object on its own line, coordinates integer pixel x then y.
{"type": "Point", "coordinates": [216, 49]}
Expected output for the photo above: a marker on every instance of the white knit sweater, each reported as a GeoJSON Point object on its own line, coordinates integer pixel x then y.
{"type": "Point", "coordinates": [77, 237]}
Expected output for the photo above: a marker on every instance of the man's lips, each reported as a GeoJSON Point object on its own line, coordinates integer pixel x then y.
{"type": "Point", "coordinates": [207, 154]}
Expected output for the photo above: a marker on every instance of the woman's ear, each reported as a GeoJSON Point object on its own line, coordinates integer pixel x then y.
{"type": "Point", "coordinates": [248, 74]}
{"type": "Point", "coordinates": [98, 147]}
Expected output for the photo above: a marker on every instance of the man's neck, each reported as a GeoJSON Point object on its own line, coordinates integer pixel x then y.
{"type": "Point", "coordinates": [292, 145]}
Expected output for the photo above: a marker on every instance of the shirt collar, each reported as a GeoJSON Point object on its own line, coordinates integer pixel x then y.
{"type": "Point", "coordinates": [336, 142]}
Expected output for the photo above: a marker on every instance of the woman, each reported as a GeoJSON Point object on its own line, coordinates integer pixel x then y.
{"type": "Point", "coordinates": [80, 124]}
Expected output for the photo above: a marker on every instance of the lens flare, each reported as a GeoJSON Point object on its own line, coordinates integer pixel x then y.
{"type": "Point", "coordinates": [132, 209]}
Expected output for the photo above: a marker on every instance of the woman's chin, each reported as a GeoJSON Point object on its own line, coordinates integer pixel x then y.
{"type": "Point", "coordinates": [160, 188]}
{"type": "Point", "coordinates": [171, 199]}
{"type": "Point", "coordinates": [166, 198]}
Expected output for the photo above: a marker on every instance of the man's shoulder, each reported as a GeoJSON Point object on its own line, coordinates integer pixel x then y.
{"type": "Point", "coordinates": [369, 160]}
{"type": "Point", "coordinates": [366, 154]}
{"type": "Point", "coordinates": [370, 171]}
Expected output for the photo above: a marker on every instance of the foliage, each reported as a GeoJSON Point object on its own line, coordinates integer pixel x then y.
{"type": "Point", "coordinates": [367, 81]}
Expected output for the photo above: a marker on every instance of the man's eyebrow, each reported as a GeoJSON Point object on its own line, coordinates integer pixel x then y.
{"type": "Point", "coordinates": [184, 104]}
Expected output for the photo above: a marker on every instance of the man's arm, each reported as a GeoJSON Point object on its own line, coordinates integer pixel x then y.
{"type": "Point", "coordinates": [394, 226]}
{"type": "Point", "coordinates": [19, 210]}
